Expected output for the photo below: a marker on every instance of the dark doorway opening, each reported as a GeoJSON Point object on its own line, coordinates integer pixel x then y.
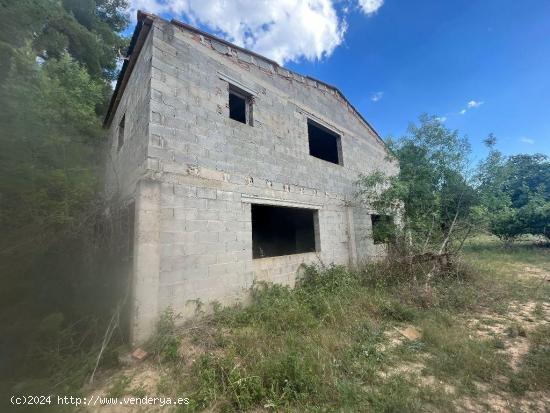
{"type": "Point", "coordinates": [323, 143]}
{"type": "Point", "coordinates": [282, 231]}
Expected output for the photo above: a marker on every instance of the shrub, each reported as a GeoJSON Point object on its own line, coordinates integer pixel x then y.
{"type": "Point", "coordinates": [220, 376]}
{"type": "Point", "coordinates": [321, 289]}
{"type": "Point", "coordinates": [275, 308]}
{"type": "Point", "coordinates": [165, 342]}
{"type": "Point", "coordinates": [331, 279]}
{"type": "Point", "coordinates": [292, 375]}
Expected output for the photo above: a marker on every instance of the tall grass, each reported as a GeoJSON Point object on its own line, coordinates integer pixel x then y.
{"type": "Point", "coordinates": [319, 344]}
{"type": "Point", "coordinates": [326, 345]}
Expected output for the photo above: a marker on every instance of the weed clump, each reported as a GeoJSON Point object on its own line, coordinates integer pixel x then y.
{"type": "Point", "coordinates": [220, 378]}
{"type": "Point", "coordinates": [274, 308]}
{"type": "Point", "coordinates": [165, 343]}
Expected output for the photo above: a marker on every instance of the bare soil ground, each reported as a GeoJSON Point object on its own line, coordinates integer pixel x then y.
{"type": "Point", "coordinates": [486, 325]}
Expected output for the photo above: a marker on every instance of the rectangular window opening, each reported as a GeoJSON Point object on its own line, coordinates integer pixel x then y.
{"type": "Point", "coordinates": [121, 132]}
{"type": "Point", "coordinates": [324, 143]}
{"type": "Point", "coordinates": [280, 231]}
{"type": "Point", "coordinates": [240, 106]}
{"type": "Point", "coordinates": [383, 228]}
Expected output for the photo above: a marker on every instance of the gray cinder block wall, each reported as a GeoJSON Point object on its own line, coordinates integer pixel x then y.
{"type": "Point", "coordinates": [193, 173]}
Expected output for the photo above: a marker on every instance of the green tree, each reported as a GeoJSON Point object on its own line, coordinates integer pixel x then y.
{"type": "Point", "coordinates": [59, 58]}
{"type": "Point", "coordinates": [51, 140]}
{"type": "Point", "coordinates": [57, 61]}
{"type": "Point", "coordinates": [87, 29]}
{"type": "Point", "coordinates": [431, 192]}
{"type": "Point", "coordinates": [515, 193]}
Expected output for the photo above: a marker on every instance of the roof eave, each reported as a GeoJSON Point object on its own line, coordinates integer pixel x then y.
{"type": "Point", "coordinates": [143, 26]}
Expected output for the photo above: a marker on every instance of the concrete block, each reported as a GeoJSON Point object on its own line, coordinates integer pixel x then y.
{"type": "Point", "coordinates": [207, 193]}
{"type": "Point", "coordinates": [195, 225]}
{"type": "Point", "coordinates": [211, 237]}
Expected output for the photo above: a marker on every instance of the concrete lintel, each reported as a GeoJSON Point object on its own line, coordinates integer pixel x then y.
{"type": "Point", "coordinates": [237, 83]}
{"type": "Point", "coordinates": [321, 120]}
{"type": "Point", "coordinates": [251, 199]}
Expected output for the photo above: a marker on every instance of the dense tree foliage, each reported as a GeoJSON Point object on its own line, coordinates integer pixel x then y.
{"type": "Point", "coordinates": [431, 193]}
{"type": "Point", "coordinates": [516, 193]}
{"type": "Point", "coordinates": [57, 62]}
{"type": "Point", "coordinates": [87, 30]}
{"type": "Point", "coordinates": [50, 137]}
{"type": "Point", "coordinates": [59, 58]}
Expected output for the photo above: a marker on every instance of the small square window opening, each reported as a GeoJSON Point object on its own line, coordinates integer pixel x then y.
{"type": "Point", "coordinates": [383, 228]}
{"type": "Point", "coordinates": [324, 143]}
{"type": "Point", "coordinates": [240, 106]}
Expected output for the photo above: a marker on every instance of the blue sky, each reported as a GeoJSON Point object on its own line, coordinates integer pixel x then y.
{"type": "Point", "coordinates": [483, 66]}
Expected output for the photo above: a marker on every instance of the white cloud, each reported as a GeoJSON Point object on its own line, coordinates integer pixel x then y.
{"type": "Point", "coordinates": [442, 118]}
{"type": "Point", "coordinates": [376, 96]}
{"type": "Point", "coordinates": [474, 104]}
{"type": "Point", "coordinates": [370, 6]}
{"type": "Point", "coordinates": [283, 30]}
{"type": "Point", "coordinates": [528, 141]}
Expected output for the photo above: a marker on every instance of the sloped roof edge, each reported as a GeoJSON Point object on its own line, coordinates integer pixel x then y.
{"type": "Point", "coordinates": [144, 23]}
{"type": "Point", "coordinates": [140, 33]}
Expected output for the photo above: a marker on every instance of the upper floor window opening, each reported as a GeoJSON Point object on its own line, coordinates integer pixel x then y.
{"type": "Point", "coordinates": [240, 105]}
{"type": "Point", "coordinates": [324, 143]}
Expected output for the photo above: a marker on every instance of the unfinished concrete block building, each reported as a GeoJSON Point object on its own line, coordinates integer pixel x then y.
{"type": "Point", "coordinates": [236, 169]}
